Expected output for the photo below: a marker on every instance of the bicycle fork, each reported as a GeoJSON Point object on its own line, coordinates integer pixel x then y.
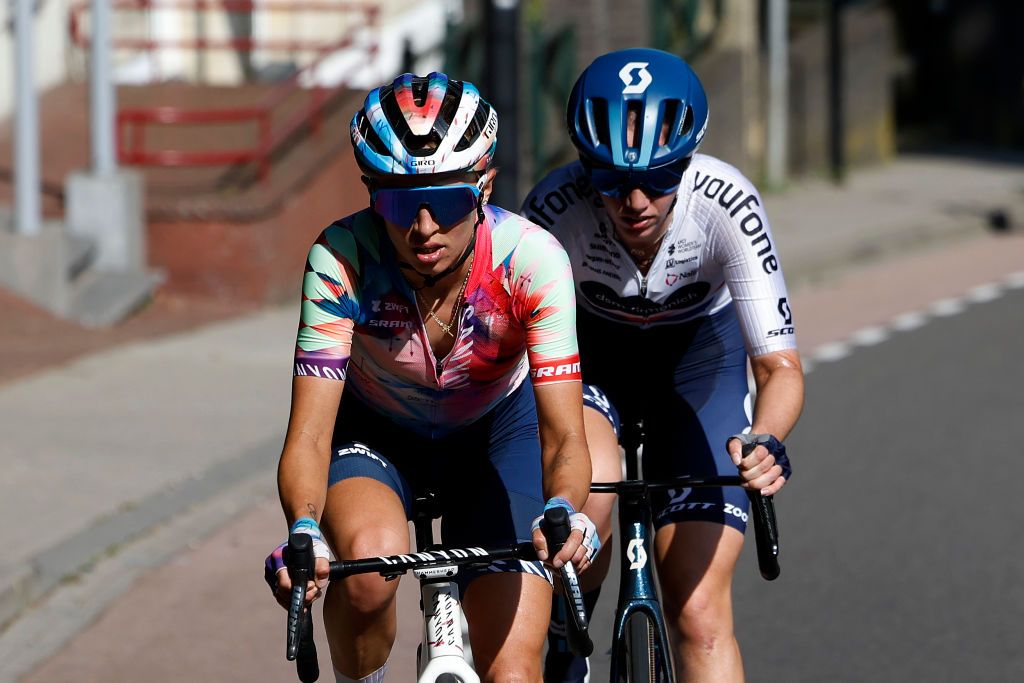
{"type": "Point", "coordinates": [443, 633]}
{"type": "Point", "coordinates": [637, 589]}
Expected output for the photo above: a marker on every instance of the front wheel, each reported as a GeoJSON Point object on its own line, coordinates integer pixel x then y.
{"type": "Point", "coordinates": [645, 655]}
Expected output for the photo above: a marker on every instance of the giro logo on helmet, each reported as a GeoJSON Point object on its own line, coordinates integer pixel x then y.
{"type": "Point", "coordinates": [630, 73]}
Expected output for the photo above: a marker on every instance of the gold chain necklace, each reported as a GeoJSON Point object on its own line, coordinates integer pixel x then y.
{"type": "Point", "coordinates": [446, 327]}
{"type": "Point", "coordinates": [646, 259]}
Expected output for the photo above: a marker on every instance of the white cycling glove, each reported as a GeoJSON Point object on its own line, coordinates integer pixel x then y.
{"type": "Point", "coordinates": [577, 520]}
{"type": "Point", "coordinates": [275, 560]}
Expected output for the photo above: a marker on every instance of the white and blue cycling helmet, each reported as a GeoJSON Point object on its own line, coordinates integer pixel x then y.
{"type": "Point", "coordinates": [424, 125]}
{"type": "Point", "coordinates": [658, 88]}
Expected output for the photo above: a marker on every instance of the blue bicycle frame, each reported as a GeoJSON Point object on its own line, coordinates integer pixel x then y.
{"type": "Point", "coordinates": [638, 593]}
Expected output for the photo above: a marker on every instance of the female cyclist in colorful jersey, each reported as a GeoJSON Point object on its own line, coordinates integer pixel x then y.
{"type": "Point", "coordinates": [678, 283]}
{"type": "Point", "coordinates": [449, 324]}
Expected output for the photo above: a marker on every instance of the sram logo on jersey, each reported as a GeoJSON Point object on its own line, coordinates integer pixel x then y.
{"type": "Point", "coordinates": [751, 223]}
{"type": "Point", "coordinates": [560, 371]}
{"type": "Point", "coordinates": [377, 322]}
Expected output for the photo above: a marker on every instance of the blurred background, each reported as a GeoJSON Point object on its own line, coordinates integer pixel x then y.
{"type": "Point", "coordinates": [221, 117]}
{"type": "Point", "coordinates": [165, 165]}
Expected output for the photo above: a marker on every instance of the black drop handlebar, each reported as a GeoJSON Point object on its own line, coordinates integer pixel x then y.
{"type": "Point", "coordinates": [766, 530]}
{"type": "Point", "coordinates": [300, 561]}
{"type": "Point", "coordinates": [556, 531]}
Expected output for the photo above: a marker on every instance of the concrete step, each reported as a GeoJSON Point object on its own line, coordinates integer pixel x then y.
{"type": "Point", "coordinates": [79, 254]}
{"type": "Point", "coordinates": [103, 298]}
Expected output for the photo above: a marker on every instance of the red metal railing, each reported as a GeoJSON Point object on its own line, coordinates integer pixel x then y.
{"type": "Point", "coordinates": [132, 122]}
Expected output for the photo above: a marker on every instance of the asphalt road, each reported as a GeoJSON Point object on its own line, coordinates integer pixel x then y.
{"type": "Point", "coordinates": [899, 557]}
{"type": "Point", "coordinates": [900, 533]}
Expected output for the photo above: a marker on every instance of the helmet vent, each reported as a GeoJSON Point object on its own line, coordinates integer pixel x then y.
{"type": "Point", "coordinates": [601, 130]}
{"type": "Point", "coordinates": [686, 127]}
{"type": "Point", "coordinates": [476, 125]}
{"type": "Point", "coordinates": [449, 107]}
{"type": "Point", "coordinates": [635, 122]}
{"type": "Point", "coordinates": [371, 137]}
{"type": "Point", "coordinates": [668, 121]}
{"type": "Point", "coordinates": [416, 145]}
{"type": "Point", "coordinates": [419, 91]}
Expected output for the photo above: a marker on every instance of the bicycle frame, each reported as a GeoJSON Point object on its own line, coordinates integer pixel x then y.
{"type": "Point", "coordinates": [444, 652]}
{"type": "Point", "coordinates": [637, 588]}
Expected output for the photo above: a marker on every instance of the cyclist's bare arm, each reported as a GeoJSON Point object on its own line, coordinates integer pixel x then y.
{"type": "Point", "coordinates": [779, 378]}
{"type": "Point", "coordinates": [565, 458]}
{"type": "Point", "coordinates": [305, 459]}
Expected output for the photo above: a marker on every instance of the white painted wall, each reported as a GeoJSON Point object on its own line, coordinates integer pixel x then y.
{"type": "Point", "coordinates": [51, 49]}
{"type": "Point", "coordinates": [422, 22]}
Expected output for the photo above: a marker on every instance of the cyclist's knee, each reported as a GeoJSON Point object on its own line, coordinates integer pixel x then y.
{"type": "Point", "coordinates": [705, 616]}
{"type": "Point", "coordinates": [368, 594]}
{"type": "Point", "coordinates": [517, 670]}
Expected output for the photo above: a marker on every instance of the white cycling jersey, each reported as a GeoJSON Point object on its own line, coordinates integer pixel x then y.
{"type": "Point", "coordinates": [718, 249]}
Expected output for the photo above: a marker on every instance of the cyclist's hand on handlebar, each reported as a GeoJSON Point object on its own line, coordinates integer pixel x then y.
{"type": "Point", "coordinates": [766, 468]}
{"type": "Point", "coordinates": [583, 542]}
{"type": "Point", "coordinates": [276, 571]}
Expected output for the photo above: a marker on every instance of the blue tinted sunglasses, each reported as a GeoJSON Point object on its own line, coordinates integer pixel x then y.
{"type": "Point", "coordinates": [449, 204]}
{"type": "Point", "coordinates": [654, 182]}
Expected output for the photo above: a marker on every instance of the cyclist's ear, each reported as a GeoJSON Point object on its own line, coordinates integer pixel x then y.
{"type": "Point", "coordinates": [487, 183]}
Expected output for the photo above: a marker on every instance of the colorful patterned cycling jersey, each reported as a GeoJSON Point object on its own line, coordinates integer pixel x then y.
{"type": "Point", "coordinates": [718, 249]}
{"type": "Point", "coordinates": [360, 322]}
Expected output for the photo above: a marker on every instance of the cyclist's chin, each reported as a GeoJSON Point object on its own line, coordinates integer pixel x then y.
{"type": "Point", "coordinates": [638, 233]}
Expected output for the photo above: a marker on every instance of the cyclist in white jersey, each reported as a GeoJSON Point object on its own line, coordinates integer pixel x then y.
{"type": "Point", "coordinates": [678, 284]}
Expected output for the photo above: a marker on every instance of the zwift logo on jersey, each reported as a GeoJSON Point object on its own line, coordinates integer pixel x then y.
{"type": "Point", "coordinates": [629, 75]}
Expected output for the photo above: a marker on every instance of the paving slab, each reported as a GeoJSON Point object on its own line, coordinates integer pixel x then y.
{"type": "Point", "coordinates": [101, 449]}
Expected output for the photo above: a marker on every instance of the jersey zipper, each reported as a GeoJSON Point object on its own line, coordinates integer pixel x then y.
{"type": "Point", "coordinates": [438, 362]}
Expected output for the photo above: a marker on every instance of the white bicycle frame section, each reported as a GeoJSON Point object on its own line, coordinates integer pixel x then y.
{"type": "Point", "coordinates": [445, 651]}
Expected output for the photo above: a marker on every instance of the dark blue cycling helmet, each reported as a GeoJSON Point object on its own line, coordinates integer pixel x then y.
{"type": "Point", "coordinates": [659, 87]}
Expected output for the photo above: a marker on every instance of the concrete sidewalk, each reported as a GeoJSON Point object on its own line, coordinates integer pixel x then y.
{"type": "Point", "coordinates": [918, 200]}
{"type": "Point", "coordinates": [108, 448]}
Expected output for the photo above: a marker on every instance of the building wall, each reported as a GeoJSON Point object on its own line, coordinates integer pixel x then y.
{"type": "Point", "coordinates": [421, 23]}
{"type": "Point", "coordinates": [868, 108]}
{"type": "Point", "coordinates": [733, 69]}
{"type": "Point", "coordinates": [50, 54]}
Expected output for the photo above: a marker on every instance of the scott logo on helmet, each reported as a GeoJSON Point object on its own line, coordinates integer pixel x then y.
{"type": "Point", "coordinates": [630, 72]}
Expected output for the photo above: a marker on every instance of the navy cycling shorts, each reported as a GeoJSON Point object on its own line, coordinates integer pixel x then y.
{"type": "Point", "coordinates": [486, 475]}
{"type": "Point", "coordinates": [688, 382]}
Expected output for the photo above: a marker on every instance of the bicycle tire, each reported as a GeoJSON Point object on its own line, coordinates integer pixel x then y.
{"type": "Point", "coordinates": [640, 650]}
{"type": "Point", "coordinates": [643, 663]}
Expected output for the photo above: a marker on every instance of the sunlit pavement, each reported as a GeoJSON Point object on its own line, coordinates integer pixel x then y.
{"type": "Point", "coordinates": [171, 441]}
